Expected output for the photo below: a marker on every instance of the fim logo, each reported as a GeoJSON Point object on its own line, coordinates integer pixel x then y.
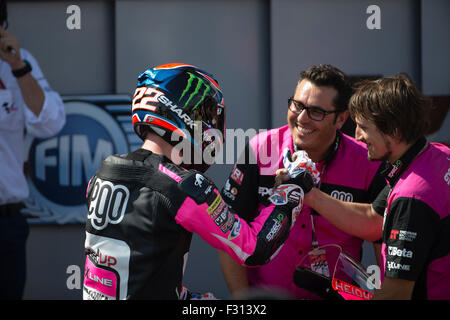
{"type": "Point", "coordinates": [60, 167]}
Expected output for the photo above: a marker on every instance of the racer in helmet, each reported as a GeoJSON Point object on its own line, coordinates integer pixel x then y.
{"type": "Point", "coordinates": [181, 102]}
{"type": "Point", "coordinates": [144, 206]}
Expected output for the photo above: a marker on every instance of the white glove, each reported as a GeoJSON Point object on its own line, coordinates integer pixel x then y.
{"type": "Point", "coordinates": [301, 163]}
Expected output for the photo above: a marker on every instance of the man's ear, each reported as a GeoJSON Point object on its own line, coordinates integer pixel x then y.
{"type": "Point", "coordinates": [341, 118]}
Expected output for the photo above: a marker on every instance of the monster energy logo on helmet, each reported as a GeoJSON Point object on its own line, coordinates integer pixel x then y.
{"type": "Point", "coordinates": [200, 85]}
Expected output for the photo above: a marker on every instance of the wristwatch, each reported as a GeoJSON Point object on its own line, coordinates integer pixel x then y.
{"type": "Point", "coordinates": [22, 71]}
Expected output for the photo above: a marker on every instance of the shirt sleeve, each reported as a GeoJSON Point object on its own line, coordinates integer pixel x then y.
{"type": "Point", "coordinates": [409, 232]}
{"type": "Point", "coordinates": [377, 184]}
{"type": "Point", "coordinates": [52, 117]}
{"type": "Point", "coordinates": [379, 204]}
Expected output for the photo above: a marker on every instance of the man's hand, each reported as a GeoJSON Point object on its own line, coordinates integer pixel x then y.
{"type": "Point", "coordinates": [9, 50]}
{"type": "Point", "coordinates": [292, 192]}
{"type": "Point", "coordinates": [299, 162]}
{"type": "Point", "coordinates": [32, 93]}
{"type": "Point", "coordinates": [281, 176]}
{"type": "Point", "coordinates": [293, 182]}
{"type": "Point", "coordinates": [297, 165]}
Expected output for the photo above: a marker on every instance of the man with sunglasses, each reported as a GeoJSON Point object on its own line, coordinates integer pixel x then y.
{"type": "Point", "coordinates": [316, 113]}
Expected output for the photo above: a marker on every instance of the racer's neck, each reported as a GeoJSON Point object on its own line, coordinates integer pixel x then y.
{"type": "Point", "coordinates": [158, 145]}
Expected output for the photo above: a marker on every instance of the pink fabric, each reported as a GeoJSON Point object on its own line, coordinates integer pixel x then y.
{"type": "Point", "coordinates": [171, 174]}
{"type": "Point", "coordinates": [342, 170]}
{"type": "Point", "coordinates": [424, 176]}
{"type": "Point", "coordinates": [100, 279]}
{"type": "Point", "coordinates": [239, 241]}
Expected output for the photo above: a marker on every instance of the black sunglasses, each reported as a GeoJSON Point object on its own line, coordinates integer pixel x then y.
{"type": "Point", "coordinates": [314, 113]}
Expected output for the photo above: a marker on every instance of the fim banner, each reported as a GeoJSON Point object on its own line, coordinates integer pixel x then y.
{"type": "Point", "coordinates": [58, 169]}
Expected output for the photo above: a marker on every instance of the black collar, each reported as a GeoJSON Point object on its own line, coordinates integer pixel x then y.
{"type": "Point", "coordinates": [334, 148]}
{"type": "Point", "coordinates": [393, 172]}
{"type": "Point", "coordinates": [139, 155]}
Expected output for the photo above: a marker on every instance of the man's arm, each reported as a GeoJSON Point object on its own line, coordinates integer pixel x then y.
{"type": "Point", "coordinates": [358, 219]}
{"type": "Point", "coordinates": [32, 93]}
{"type": "Point", "coordinates": [395, 289]}
{"type": "Point", "coordinates": [377, 252]}
{"type": "Point", "coordinates": [235, 274]}
{"type": "Point", "coordinates": [205, 213]}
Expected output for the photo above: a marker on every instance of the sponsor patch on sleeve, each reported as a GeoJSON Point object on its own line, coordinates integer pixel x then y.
{"type": "Point", "coordinates": [237, 175]}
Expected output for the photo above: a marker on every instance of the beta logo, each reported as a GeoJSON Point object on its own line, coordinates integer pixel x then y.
{"type": "Point", "coordinates": [394, 251]}
{"type": "Point", "coordinates": [61, 166]}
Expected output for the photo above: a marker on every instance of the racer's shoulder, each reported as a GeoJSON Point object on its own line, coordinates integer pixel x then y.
{"type": "Point", "coordinates": [116, 159]}
{"type": "Point", "coordinates": [197, 186]}
{"type": "Point", "coordinates": [123, 162]}
{"type": "Point", "coordinates": [144, 167]}
{"type": "Point", "coordinates": [191, 183]}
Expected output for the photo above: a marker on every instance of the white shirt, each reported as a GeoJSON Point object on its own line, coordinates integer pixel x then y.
{"type": "Point", "coordinates": [15, 117]}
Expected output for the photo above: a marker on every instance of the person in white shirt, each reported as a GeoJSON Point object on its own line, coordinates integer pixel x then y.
{"type": "Point", "coordinates": [27, 104]}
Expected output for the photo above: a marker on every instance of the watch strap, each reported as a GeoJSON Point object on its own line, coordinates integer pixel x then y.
{"type": "Point", "coordinates": [22, 71]}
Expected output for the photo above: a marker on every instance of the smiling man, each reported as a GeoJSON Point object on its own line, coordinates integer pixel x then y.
{"type": "Point", "coordinates": [316, 112]}
{"type": "Point", "coordinates": [391, 119]}
{"type": "Point", "coordinates": [314, 130]}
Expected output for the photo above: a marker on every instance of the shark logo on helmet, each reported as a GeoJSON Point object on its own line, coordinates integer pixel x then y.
{"type": "Point", "coordinates": [145, 95]}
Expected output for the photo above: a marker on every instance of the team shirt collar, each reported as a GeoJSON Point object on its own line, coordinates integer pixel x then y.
{"type": "Point", "coordinates": [393, 172]}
